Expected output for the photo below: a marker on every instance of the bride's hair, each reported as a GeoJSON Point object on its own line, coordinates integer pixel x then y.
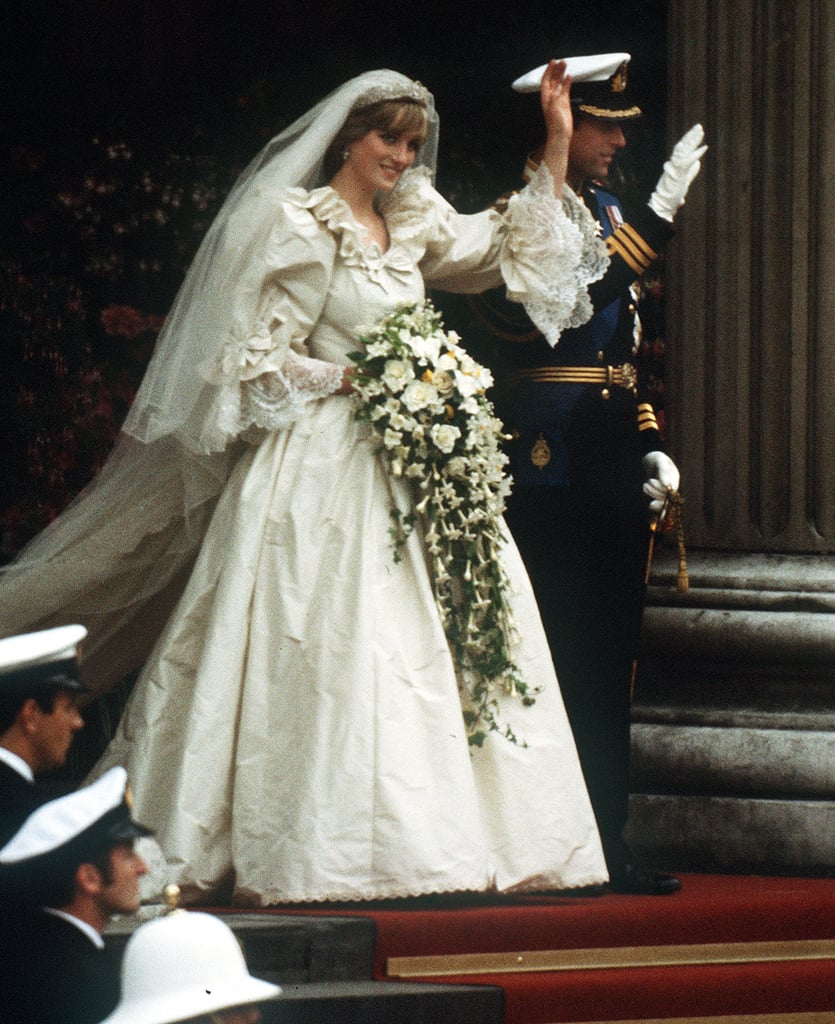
{"type": "Point", "coordinates": [404, 115]}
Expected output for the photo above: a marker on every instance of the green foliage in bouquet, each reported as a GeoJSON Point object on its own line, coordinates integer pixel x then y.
{"type": "Point", "coordinates": [425, 399]}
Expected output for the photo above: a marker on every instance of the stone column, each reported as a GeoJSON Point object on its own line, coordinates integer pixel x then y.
{"type": "Point", "coordinates": [751, 322]}
{"type": "Point", "coordinates": [735, 705]}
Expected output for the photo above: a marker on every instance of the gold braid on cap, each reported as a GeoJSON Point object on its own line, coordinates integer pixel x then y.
{"type": "Point", "coordinates": [609, 115]}
{"type": "Point", "coordinates": [617, 85]}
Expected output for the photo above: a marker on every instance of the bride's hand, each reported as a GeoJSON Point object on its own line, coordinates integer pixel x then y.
{"type": "Point", "coordinates": [347, 386]}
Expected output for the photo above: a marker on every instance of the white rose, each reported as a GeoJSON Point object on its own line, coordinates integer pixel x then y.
{"type": "Point", "coordinates": [444, 382]}
{"type": "Point", "coordinates": [445, 435]}
{"type": "Point", "coordinates": [420, 394]}
{"type": "Point", "coordinates": [397, 373]}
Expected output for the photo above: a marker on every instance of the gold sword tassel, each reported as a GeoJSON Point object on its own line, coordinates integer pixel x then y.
{"type": "Point", "coordinates": [669, 518]}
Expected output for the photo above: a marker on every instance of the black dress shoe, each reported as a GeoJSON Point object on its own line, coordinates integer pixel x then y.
{"type": "Point", "coordinates": [639, 881]}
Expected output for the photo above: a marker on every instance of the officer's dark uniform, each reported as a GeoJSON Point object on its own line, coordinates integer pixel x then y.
{"type": "Point", "coordinates": [52, 968]}
{"type": "Point", "coordinates": [34, 666]}
{"type": "Point", "coordinates": [18, 798]}
{"type": "Point", "coordinates": [580, 424]}
{"type": "Point", "coordinates": [53, 972]}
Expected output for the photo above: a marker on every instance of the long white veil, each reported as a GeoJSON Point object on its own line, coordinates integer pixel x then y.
{"type": "Point", "coordinates": [117, 557]}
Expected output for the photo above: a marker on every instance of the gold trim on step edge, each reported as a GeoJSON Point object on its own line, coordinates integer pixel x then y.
{"type": "Point", "coordinates": [605, 959]}
{"type": "Point", "coordinates": [824, 1017]}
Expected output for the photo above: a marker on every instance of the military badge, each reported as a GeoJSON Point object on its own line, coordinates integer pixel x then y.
{"type": "Point", "coordinates": [540, 453]}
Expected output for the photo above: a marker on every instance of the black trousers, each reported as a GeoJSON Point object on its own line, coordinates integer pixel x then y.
{"type": "Point", "coordinates": [585, 548]}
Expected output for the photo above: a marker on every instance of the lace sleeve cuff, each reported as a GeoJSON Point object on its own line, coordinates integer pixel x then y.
{"type": "Point", "coordinates": [553, 253]}
{"type": "Point", "coordinates": [276, 399]}
{"type": "Point", "coordinates": [260, 389]}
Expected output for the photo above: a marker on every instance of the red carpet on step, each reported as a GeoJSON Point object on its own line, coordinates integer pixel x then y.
{"type": "Point", "coordinates": [708, 910]}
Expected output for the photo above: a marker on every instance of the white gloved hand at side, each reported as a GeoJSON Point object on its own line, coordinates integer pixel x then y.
{"type": "Point", "coordinates": [678, 174]}
{"type": "Point", "coordinates": [662, 474]}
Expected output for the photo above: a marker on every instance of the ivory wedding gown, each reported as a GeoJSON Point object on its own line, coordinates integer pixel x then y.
{"type": "Point", "coordinates": [297, 734]}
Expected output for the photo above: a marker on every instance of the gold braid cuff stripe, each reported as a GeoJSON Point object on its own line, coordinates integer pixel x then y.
{"type": "Point", "coordinates": [538, 960]}
{"type": "Point", "coordinates": [646, 418]}
{"type": "Point", "coordinates": [631, 247]}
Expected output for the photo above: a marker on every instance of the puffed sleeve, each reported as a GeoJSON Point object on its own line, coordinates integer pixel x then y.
{"type": "Point", "coordinates": [264, 372]}
{"type": "Point", "coordinates": [545, 249]}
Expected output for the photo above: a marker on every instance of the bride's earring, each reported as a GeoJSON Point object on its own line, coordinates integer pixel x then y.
{"type": "Point", "coordinates": [345, 154]}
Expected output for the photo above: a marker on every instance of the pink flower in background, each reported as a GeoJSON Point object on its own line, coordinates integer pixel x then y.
{"type": "Point", "coordinates": [123, 320]}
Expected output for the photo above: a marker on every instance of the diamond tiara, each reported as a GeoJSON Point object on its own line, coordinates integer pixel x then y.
{"type": "Point", "coordinates": [416, 91]}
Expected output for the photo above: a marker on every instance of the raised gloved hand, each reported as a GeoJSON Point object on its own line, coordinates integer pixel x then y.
{"type": "Point", "coordinates": [662, 474]}
{"type": "Point", "coordinates": [678, 174]}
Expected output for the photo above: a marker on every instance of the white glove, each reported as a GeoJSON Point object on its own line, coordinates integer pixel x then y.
{"type": "Point", "coordinates": [662, 473]}
{"type": "Point", "coordinates": [678, 174]}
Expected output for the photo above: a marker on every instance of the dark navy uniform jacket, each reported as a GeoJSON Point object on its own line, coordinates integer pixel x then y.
{"type": "Point", "coordinates": [52, 973]}
{"type": "Point", "coordinates": [18, 798]}
{"type": "Point", "coordinates": [559, 427]}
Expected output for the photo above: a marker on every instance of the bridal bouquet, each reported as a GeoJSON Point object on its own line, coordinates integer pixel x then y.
{"type": "Point", "coordinates": [424, 397]}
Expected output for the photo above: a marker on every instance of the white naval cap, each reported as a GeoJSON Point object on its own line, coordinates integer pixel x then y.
{"type": "Point", "coordinates": [80, 825]}
{"type": "Point", "coordinates": [47, 657]}
{"type": "Point", "coordinates": [598, 85]}
{"type": "Point", "coordinates": [598, 67]}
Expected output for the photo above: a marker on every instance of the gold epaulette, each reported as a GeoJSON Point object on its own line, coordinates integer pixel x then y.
{"type": "Point", "coordinates": [632, 249]}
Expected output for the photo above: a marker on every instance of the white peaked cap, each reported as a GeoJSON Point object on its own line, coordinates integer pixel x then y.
{"type": "Point", "coordinates": [598, 67]}
{"type": "Point", "coordinates": [187, 964]}
{"type": "Point", "coordinates": [98, 813]}
{"type": "Point", "coordinates": [30, 650]}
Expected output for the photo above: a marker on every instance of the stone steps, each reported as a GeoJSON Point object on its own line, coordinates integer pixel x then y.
{"type": "Point", "coordinates": [325, 966]}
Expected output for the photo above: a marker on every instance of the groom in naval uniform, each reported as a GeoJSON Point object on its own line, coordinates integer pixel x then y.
{"type": "Point", "coordinates": [39, 715]}
{"type": "Point", "coordinates": [586, 452]}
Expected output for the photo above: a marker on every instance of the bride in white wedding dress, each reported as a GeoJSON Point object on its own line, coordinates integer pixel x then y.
{"type": "Point", "coordinates": [296, 733]}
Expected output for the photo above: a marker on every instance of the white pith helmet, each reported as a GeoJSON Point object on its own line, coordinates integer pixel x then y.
{"type": "Point", "coordinates": [185, 965]}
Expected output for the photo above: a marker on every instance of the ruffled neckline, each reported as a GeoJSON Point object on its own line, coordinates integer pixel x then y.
{"type": "Point", "coordinates": [406, 210]}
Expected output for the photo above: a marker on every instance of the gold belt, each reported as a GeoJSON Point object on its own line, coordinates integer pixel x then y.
{"type": "Point", "coordinates": [625, 376]}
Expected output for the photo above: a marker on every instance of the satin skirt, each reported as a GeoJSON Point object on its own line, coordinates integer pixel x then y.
{"type": "Point", "coordinates": [296, 734]}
